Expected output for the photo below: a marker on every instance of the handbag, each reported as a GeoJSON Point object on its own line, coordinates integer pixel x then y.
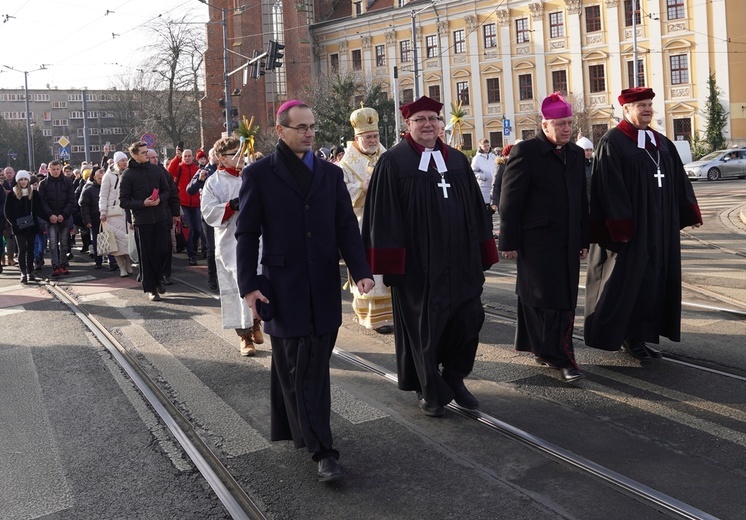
{"type": "Point", "coordinates": [132, 246]}
{"type": "Point", "coordinates": [106, 241]}
{"type": "Point", "coordinates": [25, 222]}
{"type": "Point", "coordinates": [114, 211]}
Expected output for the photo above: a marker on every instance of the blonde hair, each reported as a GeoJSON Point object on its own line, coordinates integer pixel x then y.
{"type": "Point", "coordinates": [19, 194]}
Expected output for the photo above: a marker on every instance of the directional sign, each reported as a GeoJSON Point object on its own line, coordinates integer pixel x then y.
{"type": "Point", "coordinates": [64, 153]}
{"type": "Point", "coordinates": [13, 155]}
{"type": "Point", "coordinates": [148, 139]}
{"type": "Point", "coordinates": [63, 141]}
{"type": "Point", "coordinates": [506, 126]}
{"type": "Point", "coordinates": [506, 131]}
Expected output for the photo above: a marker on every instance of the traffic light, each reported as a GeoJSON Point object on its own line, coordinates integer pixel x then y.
{"type": "Point", "coordinates": [234, 112]}
{"type": "Point", "coordinates": [256, 69]}
{"type": "Point", "coordinates": [274, 55]}
{"type": "Point", "coordinates": [221, 102]}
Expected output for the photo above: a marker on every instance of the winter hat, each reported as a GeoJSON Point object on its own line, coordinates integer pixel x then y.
{"type": "Point", "coordinates": [23, 174]}
{"type": "Point", "coordinates": [585, 143]}
{"type": "Point", "coordinates": [200, 154]}
{"type": "Point", "coordinates": [423, 103]}
{"type": "Point", "coordinates": [118, 156]}
{"type": "Point", "coordinates": [630, 95]}
{"type": "Point", "coordinates": [554, 106]}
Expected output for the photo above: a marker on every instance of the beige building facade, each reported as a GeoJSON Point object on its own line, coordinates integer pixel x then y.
{"type": "Point", "coordinates": [501, 58]}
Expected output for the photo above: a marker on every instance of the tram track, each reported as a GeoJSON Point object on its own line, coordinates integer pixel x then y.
{"type": "Point", "coordinates": [235, 500]}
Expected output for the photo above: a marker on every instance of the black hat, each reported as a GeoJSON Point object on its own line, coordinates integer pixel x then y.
{"type": "Point", "coordinates": [266, 311]}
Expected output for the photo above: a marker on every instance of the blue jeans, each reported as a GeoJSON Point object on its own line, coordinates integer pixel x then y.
{"type": "Point", "coordinates": [59, 236]}
{"type": "Point", "coordinates": [193, 218]}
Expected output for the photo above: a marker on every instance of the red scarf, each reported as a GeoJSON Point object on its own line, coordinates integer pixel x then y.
{"type": "Point", "coordinates": [631, 131]}
{"type": "Point", "coordinates": [438, 146]}
{"type": "Point", "coordinates": [231, 171]}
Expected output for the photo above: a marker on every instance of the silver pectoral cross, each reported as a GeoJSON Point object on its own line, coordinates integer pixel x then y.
{"type": "Point", "coordinates": [659, 176]}
{"type": "Point", "coordinates": [444, 185]}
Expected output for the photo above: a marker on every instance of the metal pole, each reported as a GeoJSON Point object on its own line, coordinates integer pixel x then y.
{"type": "Point", "coordinates": [29, 142]}
{"type": "Point", "coordinates": [396, 103]}
{"type": "Point", "coordinates": [86, 138]}
{"type": "Point", "coordinates": [414, 57]}
{"type": "Point", "coordinates": [226, 78]}
{"type": "Point", "coordinates": [636, 81]}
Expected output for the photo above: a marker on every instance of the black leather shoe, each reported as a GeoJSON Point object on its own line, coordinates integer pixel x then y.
{"type": "Point", "coordinates": [160, 289]}
{"type": "Point", "coordinates": [541, 362]}
{"type": "Point", "coordinates": [166, 280]}
{"type": "Point", "coordinates": [653, 352]}
{"type": "Point", "coordinates": [636, 349]}
{"type": "Point", "coordinates": [329, 469]}
{"type": "Point", "coordinates": [571, 374]}
{"type": "Point", "coordinates": [431, 410]}
{"type": "Point", "coordinates": [385, 329]}
{"type": "Point", "coordinates": [463, 397]}
{"type": "Point", "coordinates": [212, 283]}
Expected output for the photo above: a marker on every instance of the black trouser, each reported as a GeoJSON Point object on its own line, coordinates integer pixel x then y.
{"type": "Point", "coordinates": [25, 258]}
{"type": "Point", "coordinates": [212, 270]}
{"type": "Point", "coordinates": [154, 241]}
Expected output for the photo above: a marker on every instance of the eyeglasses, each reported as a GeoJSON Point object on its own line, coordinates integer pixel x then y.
{"type": "Point", "coordinates": [432, 120]}
{"type": "Point", "coordinates": [302, 129]}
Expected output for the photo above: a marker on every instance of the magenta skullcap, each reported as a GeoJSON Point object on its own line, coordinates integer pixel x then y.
{"type": "Point", "coordinates": [287, 105]}
{"type": "Point", "coordinates": [554, 106]}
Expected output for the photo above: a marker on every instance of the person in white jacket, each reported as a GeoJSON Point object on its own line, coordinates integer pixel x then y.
{"type": "Point", "coordinates": [483, 165]}
{"type": "Point", "coordinates": [219, 207]}
{"type": "Point", "coordinates": [112, 215]}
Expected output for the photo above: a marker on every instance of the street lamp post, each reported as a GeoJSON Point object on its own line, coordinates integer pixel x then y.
{"type": "Point", "coordinates": [414, 48]}
{"type": "Point", "coordinates": [29, 142]}
{"type": "Point", "coordinates": [226, 68]}
{"type": "Point", "coordinates": [385, 120]}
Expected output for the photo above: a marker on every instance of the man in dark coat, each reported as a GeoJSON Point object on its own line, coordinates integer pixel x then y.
{"type": "Point", "coordinates": [300, 207]}
{"type": "Point", "coordinates": [641, 198]}
{"type": "Point", "coordinates": [58, 202]}
{"type": "Point", "coordinates": [544, 227]}
{"type": "Point", "coordinates": [428, 231]}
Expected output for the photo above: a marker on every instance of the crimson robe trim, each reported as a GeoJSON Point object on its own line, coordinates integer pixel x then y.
{"type": "Point", "coordinates": [612, 230]}
{"type": "Point", "coordinates": [488, 250]}
{"type": "Point", "coordinates": [389, 260]}
{"type": "Point", "coordinates": [689, 215]}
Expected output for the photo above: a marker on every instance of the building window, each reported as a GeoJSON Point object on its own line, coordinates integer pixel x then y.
{"type": "Point", "coordinates": [431, 46]}
{"type": "Point", "coordinates": [59, 104]}
{"type": "Point", "coordinates": [91, 97]}
{"type": "Point", "coordinates": [60, 122]}
{"type": "Point", "coordinates": [433, 92]}
{"type": "Point", "coordinates": [675, 9]}
{"type": "Point", "coordinates": [77, 114]}
{"type": "Point", "coordinates": [556, 25]}
{"type": "Point", "coordinates": [41, 97]}
{"type": "Point", "coordinates": [380, 55]}
{"type": "Point", "coordinates": [522, 31]}
{"type": "Point", "coordinates": [358, 8]}
{"type": "Point", "coordinates": [47, 116]}
{"type": "Point", "coordinates": [496, 141]}
{"type": "Point", "coordinates": [528, 134]}
{"type": "Point", "coordinates": [407, 96]}
{"type": "Point", "coordinates": [682, 129]}
{"type": "Point", "coordinates": [593, 18]}
{"type": "Point", "coordinates": [679, 69]}
{"type": "Point", "coordinates": [334, 63]}
{"type": "Point", "coordinates": [93, 114]}
{"type": "Point", "coordinates": [462, 90]}
{"type": "Point", "coordinates": [628, 12]}
{"type": "Point", "coordinates": [490, 35]}
{"type": "Point", "coordinates": [467, 142]}
{"type": "Point", "coordinates": [598, 131]}
{"type": "Point", "coordinates": [493, 90]}
{"type": "Point", "coordinates": [77, 148]}
{"type": "Point", "coordinates": [597, 76]}
{"type": "Point", "coordinates": [459, 41]}
{"type": "Point", "coordinates": [640, 73]}
{"type": "Point", "coordinates": [405, 51]}
{"type": "Point", "coordinates": [559, 81]}
{"type": "Point", "coordinates": [525, 87]}
{"type": "Point", "coordinates": [357, 59]}
{"type": "Point", "coordinates": [75, 97]}
{"type": "Point", "coordinates": [46, 132]}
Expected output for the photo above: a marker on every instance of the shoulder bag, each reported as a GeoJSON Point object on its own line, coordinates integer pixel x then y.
{"type": "Point", "coordinates": [115, 209]}
{"type": "Point", "coordinates": [27, 221]}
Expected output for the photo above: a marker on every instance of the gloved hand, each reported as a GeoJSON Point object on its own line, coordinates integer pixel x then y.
{"type": "Point", "coordinates": [234, 204]}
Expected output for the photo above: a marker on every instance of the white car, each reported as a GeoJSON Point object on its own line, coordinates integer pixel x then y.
{"type": "Point", "coordinates": [721, 164]}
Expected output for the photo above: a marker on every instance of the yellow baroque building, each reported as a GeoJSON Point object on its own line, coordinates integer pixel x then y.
{"type": "Point", "coordinates": [501, 58]}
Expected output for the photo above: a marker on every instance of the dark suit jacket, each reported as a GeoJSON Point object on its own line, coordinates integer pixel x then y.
{"type": "Point", "coordinates": [302, 239]}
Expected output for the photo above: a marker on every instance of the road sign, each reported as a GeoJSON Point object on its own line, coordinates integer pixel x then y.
{"type": "Point", "coordinates": [64, 153]}
{"type": "Point", "coordinates": [506, 126]}
{"type": "Point", "coordinates": [63, 141]}
{"type": "Point", "coordinates": [148, 139]}
{"type": "Point", "coordinates": [13, 155]}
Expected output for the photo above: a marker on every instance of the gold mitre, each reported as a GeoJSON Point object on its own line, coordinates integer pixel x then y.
{"type": "Point", "coordinates": [364, 119]}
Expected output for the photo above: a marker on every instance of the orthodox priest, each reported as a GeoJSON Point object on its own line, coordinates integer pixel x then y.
{"type": "Point", "coordinates": [427, 231]}
{"type": "Point", "coordinates": [372, 310]}
{"type": "Point", "coordinates": [544, 228]}
{"type": "Point", "coordinates": [640, 199]}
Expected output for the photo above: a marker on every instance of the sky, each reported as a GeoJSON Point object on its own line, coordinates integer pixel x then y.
{"type": "Point", "coordinates": [82, 43]}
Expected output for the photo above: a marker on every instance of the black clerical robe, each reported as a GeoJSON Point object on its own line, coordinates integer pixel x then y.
{"type": "Point", "coordinates": [432, 251]}
{"type": "Point", "coordinates": [633, 287]}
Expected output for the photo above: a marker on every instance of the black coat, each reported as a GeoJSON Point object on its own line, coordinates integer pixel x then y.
{"type": "Point", "coordinates": [544, 216]}
{"type": "Point", "coordinates": [57, 197]}
{"type": "Point", "coordinates": [89, 203]}
{"type": "Point", "coordinates": [302, 238]}
{"type": "Point", "coordinates": [16, 208]}
{"type": "Point", "coordinates": [137, 184]}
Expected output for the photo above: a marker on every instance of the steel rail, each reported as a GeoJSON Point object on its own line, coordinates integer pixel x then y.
{"type": "Point", "coordinates": [238, 504]}
{"type": "Point", "coordinates": [651, 497]}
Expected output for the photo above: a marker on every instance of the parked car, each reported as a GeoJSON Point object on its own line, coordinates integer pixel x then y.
{"type": "Point", "coordinates": [722, 164]}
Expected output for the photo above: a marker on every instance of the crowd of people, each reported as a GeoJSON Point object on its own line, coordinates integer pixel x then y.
{"type": "Point", "coordinates": [414, 226]}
